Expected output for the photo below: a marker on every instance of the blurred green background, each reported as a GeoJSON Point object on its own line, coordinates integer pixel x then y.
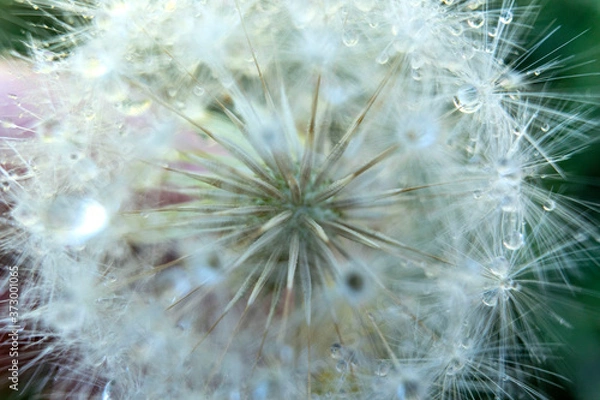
{"type": "Point", "coordinates": [19, 21]}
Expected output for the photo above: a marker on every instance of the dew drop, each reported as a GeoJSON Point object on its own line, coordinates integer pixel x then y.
{"type": "Point", "coordinates": [73, 220]}
{"type": "Point", "coordinates": [506, 17]}
{"type": "Point", "coordinates": [454, 367]}
{"type": "Point", "coordinates": [198, 90]}
{"type": "Point", "coordinates": [107, 392]}
{"type": "Point", "coordinates": [537, 72]}
{"type": "Point", "coordinates": [493, 32]}
{"type": "Point", "coordinates": [549, 205]}
{"type": "Point", "coordinates": [350, 37]}
{"type": "Point", "coordinates": [514, 240]}
{"type": "Point", "coordinates": [336, 351]}
{"type": "Point", "coordinates": [5, 185]}
{"type": "Point", "coordinates": [383, 57]}
{"type": "Point", "coordinates": [545, 127]}
{"type": "Point", "coordinates": [490, 298]}
{"type": "Point", "coordinates": [477, 194]}
{"type": "Point", "coordinates": [467, 99]}
{"type": "Point", "coordinates": [499, 266]}
{"type": "Point", "coordinates": [383, 368]}
{"type": "Point", "coordinates": [476, 21]}
{"type": "Point", "coordinates": [341, 366]}
{"type": "Point", "coordinates": [416, 74]}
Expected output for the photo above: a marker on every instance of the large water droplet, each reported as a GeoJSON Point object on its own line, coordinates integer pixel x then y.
{"type": "Point", "coordinates": [490, 298]}
{"type": "Point", "coordinates": [467, 99]}
{"type": "Point", "coordinates": [477, 20]}
{"type": "Point", "coordinates": [499, 266]}
{"type": "Point", "coordinates": [350, 37]}
{"type": "Point", "coordinates": [383, 368]}
{"type": "Point", "coordinates": [506, 17]}
{"type": "Point", "coordinates": [549, 205]}
{"type": "Point", "coordinates": [73, 220]}
{"type": "Point", "coordinates": [514, 240]}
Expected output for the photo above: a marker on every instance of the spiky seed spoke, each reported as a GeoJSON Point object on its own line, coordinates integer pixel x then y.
{"type": "Point", "coordinates": [343, 143]}
{"type": "Point", "coordinates": [389, 241]}
{"type": "Point", "coordinates": [340, 184]}
{"type": "Point", "coordinates": [306, 165]}
{"type": "Point", "coordinates": [276, 221]}
{"type": "Point", "coordinates": [266, 272]}
{"type": "Point", "coordinates": [274, 302]}
{"type": "Point", "coordinates": [293, 259]}
{"type": "Point", "coordinates": [305, 282]}
{"type": "Point", "coordinates": [267, 238]}
{"type": "Point", "coordinates": [351, 234]}
{"type": "Point", "coordinates": [220, 183]}
{"type": "Point", "coordinates": [372, 200]}
{"type": "Point", "coordinates": [316, 228]}
{"type": "Point", "coordinates": [238, 176]}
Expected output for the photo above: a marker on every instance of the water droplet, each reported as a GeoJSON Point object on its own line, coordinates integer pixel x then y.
{"type": "Point", "coordinates": [383, 368]}
{"type": "Point", "coordinates": [477, 20]}
{"type": "Point", "coordinates": [509, 204]}
{"type": "Point", "coordinates": [73, 220]}
{"type": "Point", "coordinates": [545, 127]}
{"type": "Point", "coordinates": [454, 366]}
{"type": "Point", "coordinates": [506, 17]}
{"type": "Point", "coordinates": [514, 240]}
{"type": "Point", "coordinates": [477, 194]}
{"type": "Point", "coordinates": [107, 392]}
{"type": "Point", "coordinates": [336, 351]}
{"type": "Point", "coordinates": [493, 32]}
{"type": "Point", "coordinates": [490, 298]}
{"type": "Point", "coordinates": [416, 74]}
{"type": "Point", "coordinates": [350, 37]}
{"type": "Point", "coordinates": [198, 90]}
{"type": "Point", "coordinates": [500, 266]}
{"type": "Point", "coordinates": [134, 108]}
{"type": "Point", "coordinates": [549, 205]}
{"type": "Point", "coordinates": [341, 366]}
{"type": "Point", "coordinates": [5, 185]}
{"type": "Point", "coordinates": [467, 99]}
{"type": "Point", "coordinates": [537, 72]}
{"type": "Point", "coordinates": [448, 2]}
{"type": "Point", "coordinates": [383, 57]}
{"type": "Point", "coordinates": [94, 68]}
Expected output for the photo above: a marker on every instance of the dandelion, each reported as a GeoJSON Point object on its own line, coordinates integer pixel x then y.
{"type": "Point", "coordinates": [248, 199]}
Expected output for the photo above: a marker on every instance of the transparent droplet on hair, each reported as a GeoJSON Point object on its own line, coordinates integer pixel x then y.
{"type": "Point", "coordinates": [500, 266]}
{"type": "Point", "coordinates": [341, 366]}
{"type": "Point", "coordinates": [335, 351]}
{"type": "Point", "coordinates": [509, 204]}
{"type": "Point", "coordinates": [198, 90]}
{"type": "Point", "coordinates": [350, 37]}
{"type": "Point", "coordinates": [545, 127]}
{"type": "Point", "coordinates": [134, 108]}
{"type": "Point", "coordinates": [467, 99]}
{"type": "Point", "coordinates": [506, 17]}
{"type": "Point", "coordinates": [454, 367]}
{"type": "Point", "coordinates": [383, 368]}
{"type": "Point", "coordinates": [477, 20]}
{"type": "Point", "coordinates": [514, 240]}
{"type": "Point", "coordinates": [5, 185]}
{"type": "Point", "coordinates": [490, 298]}
{"type": "Point", "coordinates": [493, 32]}
{"type": "Point", "coordinates": [549, 205]}
{"type": "Point", "coordinates": [107, 391]}
{"type": "Point", "coordinates": [416, 74]}
{"type": "Point", "coordinates": [383, 57]}
{"type": "Point", "coordinates": [448, 2]}
{"type": "Point", "coordinates": [73, 220]}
